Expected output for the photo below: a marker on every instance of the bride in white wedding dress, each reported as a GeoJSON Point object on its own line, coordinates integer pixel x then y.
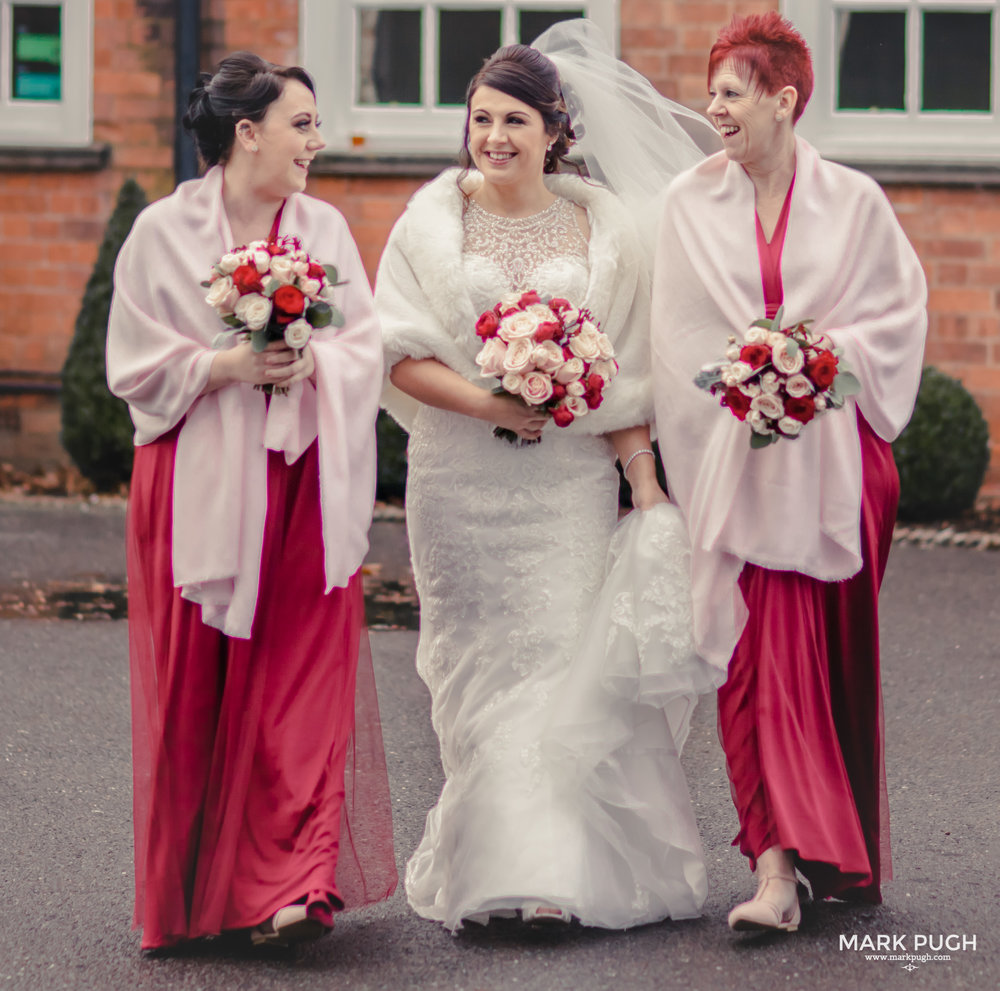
{"type": "Point", "coordinates": [556, 650]}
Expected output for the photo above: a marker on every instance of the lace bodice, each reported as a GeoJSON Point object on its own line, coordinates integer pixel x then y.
{"type": "Point", "coordinates": [546, 251]}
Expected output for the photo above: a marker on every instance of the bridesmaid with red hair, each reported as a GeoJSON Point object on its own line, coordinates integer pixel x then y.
{"type": "Point", "coordinates": [790, 541]}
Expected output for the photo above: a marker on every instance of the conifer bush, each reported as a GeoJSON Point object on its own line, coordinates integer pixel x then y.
{"type": "Point", "coordinates": [943, 452]}
{"type": "Point", "coordinates": [96, 427]}
{"type": "Point", "coordinates": [391, 440]}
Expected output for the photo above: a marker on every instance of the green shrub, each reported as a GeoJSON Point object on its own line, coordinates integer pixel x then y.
{"type": "Point", "coordinates": [943, 452]}
{"type": "Point", "coordinates": [96, 428]}
{"type": "Point", "coordinates": [391, 457]}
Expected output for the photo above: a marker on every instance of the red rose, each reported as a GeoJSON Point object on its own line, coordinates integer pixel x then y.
{"type": "Point", "coordinates": [557, 304]}
{"type": "Point", "coordinates": [562, 416]}
{"type": "Point", "coordinates": [801, 408]}
{"type": "Point", "coordinates": [316, 271]}
{"type": "Point", "coordinates": [486, 325]}
{"type": "Point", "coordinates": [558, 390]}
{"type": "Point", "coordinates": [289, 304]}
{"type": "Point", "coordinates": [246, 278]}
{"type": "Point", "coordinates": [528, 298]}
{"type": "Point", "coordinates": [594, 395]}
{"type": "Point", "coordinates": [755, 355]}
{"type": "Point", "coordinates": [737, 402]}
{"type": "Point", "coordinates": [547, 331]}
{"type": "Point", "coordinates": [822, 370]}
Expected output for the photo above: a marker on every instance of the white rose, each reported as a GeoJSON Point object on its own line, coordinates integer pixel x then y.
{"type": "Point", "coordinates": [311, 287]}
{"type": "Point", "coordinates": [776, 337]}
{"type": "Point", "coordinates": [751, 389]}
{"type": "Point", "coordinates": [741, 371]}
{"type": "Point", "coordinates": [300, 267]}
{"type": "Point", "coordinates": [536, 388]}
{"type": "Point", "coordinates": [512, 383]}
{"type": "Point", "coordinates": [758, 422]}
{"type": "Point", "coordinates": [820, 402]}
{"type": "Point", "coordinates": [518, 325]}
{"type": "Point", "coordinates": [518, 356]}
{"type": "Point", "coordinates": [254, 310]}
{"type": "Point", "coordinates": [789, 427]}
{"type": "Point", "coordinates": [791, 363]}
{"type": "Point", "coordinates": [576, 405]}
{"type": "Point", "coordinates": [507, 300]}
{"type": "Point", "coordinates": [728, 377]}
{"type": "Point", "coordinates": [585, 344]}
{"type": "Point", "coordinates": [733, 352]}
{"type": "Point", "coordinates": [604, 346]}
{"type": "Point", "coordinates": [283, 269]}
{"type": "Point", "coordinates": [570, 371]}
{"type": "Point", "coordinates": [798, 385]}
{"type": "Point", "coordinates": [260, 259]}
{"type": "Point", "coordinates": [755, 335]}
{"type": "Point", "coordinates": [219, 292]}
{"type": "Point", "coordinates": [490, 358]}
{"type": "Point", "coordinates": [770, 383]}
{"type": "Point", "coordinates": [547, 356]}
{"type": "Point", "coordinates": [576, 388]}
{"type": "Point", "coordinates": [606, 369]}
{"type": "Point", "coordinates": [768, 405]}
{"type": "Point", "coordinates": [570, 316]}
{"type": "Point", "coordinates": [541, 311]}
{"type": "Point", "coordinates": [297, 334]}
{"type": "Point", "coordinates": [230, 261]}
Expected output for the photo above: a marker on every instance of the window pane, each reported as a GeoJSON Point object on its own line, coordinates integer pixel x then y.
{"type": "Point", "coordinates": [465, 39]}
{"type": "Point", "coordinates": [389, 46]}
{"type": "Point", "coordinates": [871, 63]}
{"type": "Point", "coordinates": [957, 56]}
{"type": "Point", "coordinates": [531, 23]}
{"type": "Point", "coordinates": [36, 62]}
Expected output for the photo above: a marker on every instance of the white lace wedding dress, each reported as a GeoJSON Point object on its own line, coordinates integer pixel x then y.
{"type": "Point", "coordinates": [560, 696]}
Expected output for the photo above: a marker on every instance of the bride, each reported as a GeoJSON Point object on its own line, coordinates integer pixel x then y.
{"type": "Point", "coordinates": [539, 813]}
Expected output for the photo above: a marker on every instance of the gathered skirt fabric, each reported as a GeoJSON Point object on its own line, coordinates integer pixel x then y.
{"type": "Point", "coordinates": [259, 774]}
{"type": "Point", "coordinates": [800, 716]}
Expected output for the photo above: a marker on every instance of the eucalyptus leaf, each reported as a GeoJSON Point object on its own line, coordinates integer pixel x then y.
{"type": "Point", "coordinates": [319, 314]}
{"type": "Point", "coordinates": [792, 347]}
{"type": "Point", "coordinates": [763, 322]}
{"type": "Point", "coordinates": [232, 321]}
{"type": "Point", "coordinates": [762, 440]}
{"type": "Point", "coordinates": [205, 285]}
{"type": "Point", "coordinates": [333, 276]}
{"type": "Point", "coordinates": [847, 384]}
{"type": "Point", "coordinates": [833, 399]}
{"type": "Point", "coordinates": [271, 287]}
{"type": "Point", "coordinates": [706, 378]}
{"type": "Point", "coordinates": [337, 319]}
{"type": "Point", "coordinates": [258, 340]}
{"type": "Point", "coordinates": [776, 322]}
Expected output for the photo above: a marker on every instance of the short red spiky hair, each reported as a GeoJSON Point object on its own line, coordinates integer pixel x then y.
{"type": "Point", "coordinates": [770, 51]}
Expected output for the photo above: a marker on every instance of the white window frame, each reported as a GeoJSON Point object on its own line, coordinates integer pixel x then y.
{"type": "Point", "coordinates": [67, 122]}
{"type": "Point", "coordinates": [905, 137]}
{"type": "Point", "coordinates": [326, 43]}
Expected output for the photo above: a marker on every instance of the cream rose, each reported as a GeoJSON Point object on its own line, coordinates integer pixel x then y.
{"type": "Point", "coordinates": [733, 352]}
{"type": "Point", "coordinates": [297, 334]}
{"type": "Point", "coordinates": [604, 346]}
{"type": "Point", "coordinates": [798, 385]}
{"type": "Point", "coordinates": [789, 427]}
{"type": "Point", "coordinates": [606, 369]}
{"type": "Point", "coordinates": [547, 356]}
{"type": "Point", "coordinates": [311, 287]}
{"type": "Point", "coordinates": [540, 310]}
{"type": "Point", "coordinates": [512, 383]}
{"type": "Point", "coordinates": [536, 388]}
{"type": "Point", "coordinates": [755, 335]}
{"type": "Point", "coordinates": [254, 310]}
{"type": "Point", "coordinates": [230, 261]}
{"type": "Point", "coordinates": [585, 344]}
{"type": "Point", "coordinates": [775, 337]}
{"type": "Point", "coordinates": [219, 292]}
{"type": "Point", "coordinates": [518, 325]}
{"type": "Point", "coordinates": [758, 422]}
{"type": "Point", "coordinates": [576, 388]}
{"type": "Point", "coordinates": [260, 258]}
{"type": "Point", "coordinates": [300, 267]}
{"type": "Point", "coordinates": [283, 269]}
{"type": "Point", "coordinates": [789, 361]}
{"type": "Point", "coordinates": [576, 405]}
{"type": "Point", "coordinates": [570, 316]}
{"type": "Point", "coordinates": [490, 358]}
{"type": "Point", "coordinates": [768, 405]}
{"type": "Point", "coordinates": [820, 402]}
{"type": "Point", "coordinates": [770, 383]}
{"type": "Point", "coordinates": [751, 389]}
{"type": "Point", "coordinates": [570, 371]}
{"type": "Point", "coordinates": [518, 356]}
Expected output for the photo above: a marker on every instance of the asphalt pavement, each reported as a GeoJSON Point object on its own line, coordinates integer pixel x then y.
{"type": "Point", "coordinates": [65, 860]}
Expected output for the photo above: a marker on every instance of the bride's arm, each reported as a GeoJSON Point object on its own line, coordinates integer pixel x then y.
{"type": "Point", "coordinates": [429, 381]}
{"type": "Point", "coordinates": [635, 451]}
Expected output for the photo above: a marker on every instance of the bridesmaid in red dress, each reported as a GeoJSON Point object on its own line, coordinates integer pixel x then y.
{"type": "Point", "coordinates": [790, 542]}
{"type": "Point", "coordinates": [260, 787]}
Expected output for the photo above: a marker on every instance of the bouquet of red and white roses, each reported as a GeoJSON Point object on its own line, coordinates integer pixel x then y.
{"type": "Point", "coordinates": [547, 352]}
{"type": "Point", "coordinates": [778, 379]}
{"type": "Point", "coordinates": [272, 291]}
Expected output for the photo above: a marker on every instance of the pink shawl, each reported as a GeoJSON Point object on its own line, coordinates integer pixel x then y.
{"type": "Point", "coordinates": [793, 506]}
{"type": "Point", "coordinates": [159, 356]}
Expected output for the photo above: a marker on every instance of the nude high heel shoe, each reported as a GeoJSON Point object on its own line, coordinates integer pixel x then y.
{"type": "Point", "coordinates": [774, 907]}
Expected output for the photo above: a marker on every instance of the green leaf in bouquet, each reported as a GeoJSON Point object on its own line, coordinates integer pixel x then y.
{"type": "Point", "coordinates": [337, 318]}
{"type": "Point", "coordinates": [708, 377]}
{"type": "Point", "coordinates": [833, 399]}
{"type": "Point", "coordinates": [776, 322]}
{"type": "Point", "coordinates": [205, 285]}
{"type": "Point", "coordinates": [319, 314]}
{"type": "Point", "coordinates": [258, 340]}
{"type": "Point", "coordinates": [232, 321]}
{"type": "Point", "coordinates": [763, 322]}
{"type": "Point", "coordinates": [847, 383]}
{"type": "Point", "coordinates": [333, 276]}
{"type": "Point", "coordinates": [219, 269]}
{"type": "Point", "coordinates": [762, 440]}
{"type": "Point", "coordinates": [271, 287]}
{"type": "Point", "coordinates": [792, 347]}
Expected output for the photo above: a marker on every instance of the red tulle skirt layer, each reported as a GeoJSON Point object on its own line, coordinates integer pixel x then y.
{"type": "Point", "coordinates": [259, 773]}
{"type": "Point", "coordinates": [800, 716]}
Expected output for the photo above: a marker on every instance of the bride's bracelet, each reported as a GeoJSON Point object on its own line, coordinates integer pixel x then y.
{"type": "Point", "coordinates": [633, 456]}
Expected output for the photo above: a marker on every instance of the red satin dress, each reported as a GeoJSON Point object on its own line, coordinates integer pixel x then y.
{"type": "Point", "coordinates": [800, 716]}
{"type": "Point", "coordinates": [259, 772]}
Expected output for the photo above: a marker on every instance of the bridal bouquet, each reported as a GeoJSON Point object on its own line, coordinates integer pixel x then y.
{"type": "Point", "coordinates": [547, 352]}
{"type": "Point", "coordinates": [272, 291]}
{"type": "Point", "coordinates": [778, 379]}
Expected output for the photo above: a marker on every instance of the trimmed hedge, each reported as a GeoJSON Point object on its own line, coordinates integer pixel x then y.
{"type": "Point", "coordinates": [96, 428]}
{"type": "Point", "coordinates": [943, 453]}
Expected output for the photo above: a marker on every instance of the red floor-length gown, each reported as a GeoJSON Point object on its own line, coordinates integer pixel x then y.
{"type": "Point", "coordinates": [240, 747]}
{"type": "Point", "coordinates": [800, 716]}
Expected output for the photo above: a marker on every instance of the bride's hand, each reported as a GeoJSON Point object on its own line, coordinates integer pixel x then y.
{"type": "Point", "coordinates": [647, 494]}
{"type": "Point", "coordinates": [512, 414]}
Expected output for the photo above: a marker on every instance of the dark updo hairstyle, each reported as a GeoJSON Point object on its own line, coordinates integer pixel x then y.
{"type": "Point", "coordinates": [243, 87]}
{"type": "Point", "coordinates": [527, 75]}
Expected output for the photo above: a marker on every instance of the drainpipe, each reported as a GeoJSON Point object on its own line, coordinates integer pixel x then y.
{"type": "Point", "coordinates": [187, 45]}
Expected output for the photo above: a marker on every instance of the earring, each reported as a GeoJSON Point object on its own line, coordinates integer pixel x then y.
{"type": "Point", "coordinates": [779, 117]}
{"type": "Point", "coordinates": [253, 148]}
{"type": "Point", "coordinates": [550, 146]}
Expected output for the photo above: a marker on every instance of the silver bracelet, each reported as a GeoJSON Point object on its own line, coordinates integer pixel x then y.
{"type": "Point", "coordinates": [633, 456]}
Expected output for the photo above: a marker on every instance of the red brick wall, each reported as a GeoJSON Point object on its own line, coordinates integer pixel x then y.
{"type": "Point", "coordinates": [51, 223]}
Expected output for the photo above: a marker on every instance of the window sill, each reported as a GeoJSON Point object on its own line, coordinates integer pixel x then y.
{"type": "Point", "coordinates": [381, 166]}
{"type": "Point", "coordinates": [936, 174]}
{"type": "Point", "coordinates": [86, 158]}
